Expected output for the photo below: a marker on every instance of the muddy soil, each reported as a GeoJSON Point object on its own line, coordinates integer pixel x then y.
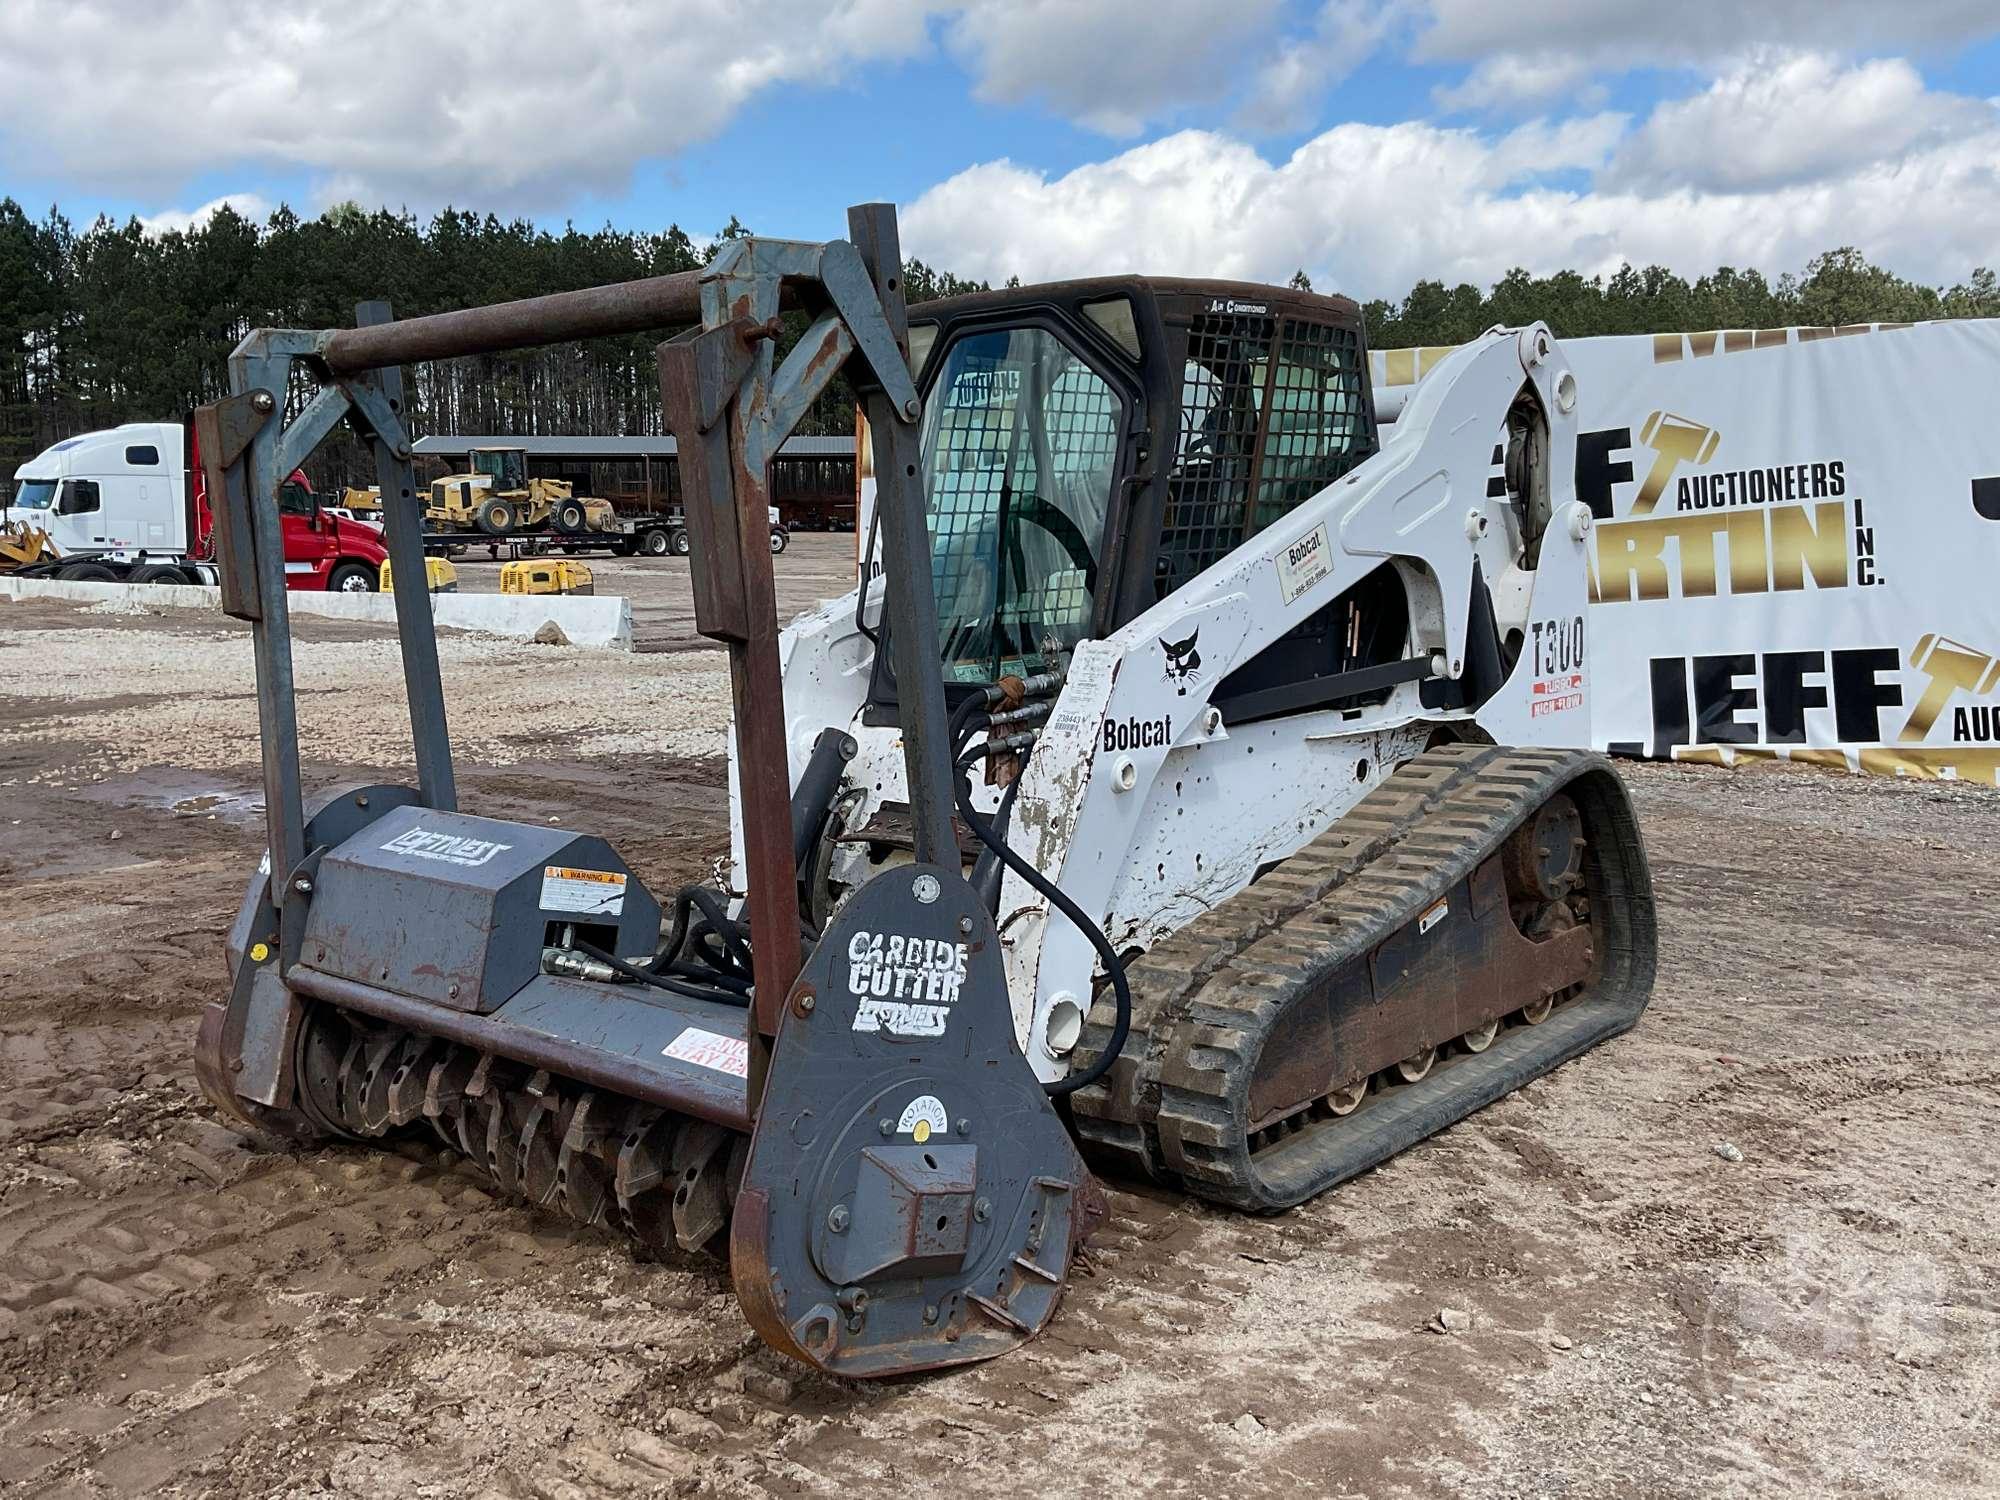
{"type": "Point", "coordinates": [186, 1312]}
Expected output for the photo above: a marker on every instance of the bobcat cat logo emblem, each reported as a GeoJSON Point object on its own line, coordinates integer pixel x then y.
{"type": "Point", "coordinates": [1183, 664]}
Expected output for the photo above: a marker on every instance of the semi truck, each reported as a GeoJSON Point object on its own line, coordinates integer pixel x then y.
{"type": "Point", "coordinates": [129, 505]}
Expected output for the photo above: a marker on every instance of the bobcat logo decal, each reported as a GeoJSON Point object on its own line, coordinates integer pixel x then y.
{"type": "Point", "coordinates": [1183, 663]}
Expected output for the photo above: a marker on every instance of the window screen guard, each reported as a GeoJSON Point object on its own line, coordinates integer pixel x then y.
{"type": "Point", "coordinates": [1257, 436]}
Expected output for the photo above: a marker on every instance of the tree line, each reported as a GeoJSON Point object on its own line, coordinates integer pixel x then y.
{"type": "Point", "coordinates": [113, 323]}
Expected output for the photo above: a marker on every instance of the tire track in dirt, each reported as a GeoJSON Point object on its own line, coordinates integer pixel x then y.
{"type": "Point", "coordinates": [189, 1316]}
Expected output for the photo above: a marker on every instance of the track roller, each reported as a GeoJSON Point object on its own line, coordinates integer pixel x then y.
{"type": "Point", "coordinates": [1482, 916]}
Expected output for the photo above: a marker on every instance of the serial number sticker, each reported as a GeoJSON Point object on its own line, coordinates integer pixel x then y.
{"type": "Point", "coordinates": [712, 1050]}
{"type": "Point", "coordinates": [1304, 563]}
{"type": "Point", "coordinates": [1432, 917]}
{"type": "Point", "coordinates": [586, 892]}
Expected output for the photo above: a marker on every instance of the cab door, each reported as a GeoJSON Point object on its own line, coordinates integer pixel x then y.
{"type": "Point", "coordinates": [309, 537]}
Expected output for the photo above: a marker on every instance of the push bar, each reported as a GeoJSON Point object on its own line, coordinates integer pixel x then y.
{"type": "Point", "coordinates": [561, 317]}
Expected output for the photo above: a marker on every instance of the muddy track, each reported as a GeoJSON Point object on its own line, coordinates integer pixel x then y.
{"type": "Point", "coordinates": [184, 1312]}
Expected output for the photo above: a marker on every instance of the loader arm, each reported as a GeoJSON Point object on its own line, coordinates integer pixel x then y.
{"type": "Point", "coordinates": [1149, 798]}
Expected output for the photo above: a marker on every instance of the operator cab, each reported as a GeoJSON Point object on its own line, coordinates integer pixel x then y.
{"type": "Point", "coordinates": [1091, 446]}
{"type": "Point", "coordinates": [506, 467]}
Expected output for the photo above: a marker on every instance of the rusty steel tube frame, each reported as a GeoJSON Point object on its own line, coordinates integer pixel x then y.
{"type": "Point", "coordinates": [562, 317]}
{"type": "Point", "coordinates": [730, 404]}
{"type": "Point", "coordinates": [731, 408]}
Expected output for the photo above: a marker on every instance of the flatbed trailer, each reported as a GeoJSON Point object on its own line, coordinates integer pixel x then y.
{"type": "Point", "coordinates": [660, 534]}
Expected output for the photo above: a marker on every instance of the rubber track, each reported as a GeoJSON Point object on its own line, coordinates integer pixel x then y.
{"type": "Point", "coordinates": [1172, 1106]}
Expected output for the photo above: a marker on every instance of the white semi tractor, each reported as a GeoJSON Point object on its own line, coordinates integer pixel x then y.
{"type": "Point", "coordinates": [124, 505]}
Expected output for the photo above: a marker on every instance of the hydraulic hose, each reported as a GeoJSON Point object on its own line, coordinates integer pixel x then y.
{"type": "Point", "coordinates": [1114, 966]}
{"type": "Point", "coordinates": [660, 981]}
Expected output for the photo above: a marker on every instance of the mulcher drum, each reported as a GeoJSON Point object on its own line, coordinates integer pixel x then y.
{"type": "Point", "coordinates": [1272, 1038]}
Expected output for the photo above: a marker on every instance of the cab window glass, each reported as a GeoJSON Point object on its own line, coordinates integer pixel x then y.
{"type": "Point", "coordinates": [1020, 448]}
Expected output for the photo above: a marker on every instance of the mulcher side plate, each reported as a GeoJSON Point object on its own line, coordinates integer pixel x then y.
{"type": "Point", "coordinates": [912, 1200]}
{"type": "Point", "coordinates": [243, 1049]}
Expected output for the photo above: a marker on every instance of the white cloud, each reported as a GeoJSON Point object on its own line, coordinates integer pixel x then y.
{"type": "Point", "coordinates": [1370, 209]}
{"type": "Point", "coordinates": [1363, 200]}
{"type": "Point", "coordinates": [525, 106]}
{"type": "Point", "coordinates": [251, 206]}
{"type": "Point", "coordinates": [518, 104]}
{"type": "Point", "coordinates": [1624, 35]}
{"type": "Point", "coordinates": [1287, 91]}
{"type": "Point", "coordinates": [1574, 42]}
{"type": "Point", "coordinates": [1779, 120]}
{"type": "Point", "coordinates": [1113, 65]}
{"type": "Point", "coordinates": [1516, 80]}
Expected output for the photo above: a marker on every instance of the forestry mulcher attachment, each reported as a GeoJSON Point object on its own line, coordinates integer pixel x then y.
{"type": "Point", "coordinates": [1243, 891]}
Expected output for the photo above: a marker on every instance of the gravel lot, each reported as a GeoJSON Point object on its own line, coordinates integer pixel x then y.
{"type": "Point", "coordinates": [186, 1312]}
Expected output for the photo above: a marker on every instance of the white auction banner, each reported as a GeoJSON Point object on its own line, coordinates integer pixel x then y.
{"type": "Point", "coordinates": [1797, 551]}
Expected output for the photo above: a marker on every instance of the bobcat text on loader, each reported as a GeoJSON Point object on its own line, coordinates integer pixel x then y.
{"type": "Point", "coordinates": [1245, 889]}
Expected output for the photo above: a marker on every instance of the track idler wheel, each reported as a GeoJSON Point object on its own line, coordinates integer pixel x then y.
{"type": "Point", "coordinates": [1543, 858]}
{"type": "Point", "coordinates": [1343, 1102]}
{"type": "Point", "coordinates": [1480, 1038]}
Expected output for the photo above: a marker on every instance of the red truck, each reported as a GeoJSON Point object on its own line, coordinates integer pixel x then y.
{"type": "Point", "coordinates": [322, 550]}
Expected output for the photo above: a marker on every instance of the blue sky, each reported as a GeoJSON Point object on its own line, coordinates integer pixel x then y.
{"type": "Point", "coordinates": [1368, 141]}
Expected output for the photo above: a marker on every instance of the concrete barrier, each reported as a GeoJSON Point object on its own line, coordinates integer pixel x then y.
{"type": "Point", "coordinates": [587, 619]}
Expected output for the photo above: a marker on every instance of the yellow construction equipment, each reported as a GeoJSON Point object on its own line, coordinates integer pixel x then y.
{"type": "Point", "coordinates": [22, 545]}
{"type": "Point", "coordinates": [438, 572]}
{"type": "Point", "coordinates": [366, 504]}
{"type": "Point", "coordinates": [545, 575]}
{"type": "Point", "coordinates": [495, 495]}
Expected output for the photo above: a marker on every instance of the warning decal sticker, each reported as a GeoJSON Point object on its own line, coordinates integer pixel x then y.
{"type": "Point", "coordinates": [586, 892]}
{"type": "Point", "coordinates": [710, 1049]}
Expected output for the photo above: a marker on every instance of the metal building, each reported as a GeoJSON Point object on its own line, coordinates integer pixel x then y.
{"type": "Point", "coordinates": [812, 478]}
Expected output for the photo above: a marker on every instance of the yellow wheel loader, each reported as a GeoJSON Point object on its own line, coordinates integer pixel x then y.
{"type": "Point", "coordinates": [1189, 795]}
{"type": "Point", "coordinates": [496, 496]}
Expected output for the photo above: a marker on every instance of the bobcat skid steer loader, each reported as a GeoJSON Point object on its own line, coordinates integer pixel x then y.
{"type": "Point", "coordinates": [1153, 804]}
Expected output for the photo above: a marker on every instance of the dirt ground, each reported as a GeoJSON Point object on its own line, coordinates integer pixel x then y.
{"type": "Point", "coordinates": [814, 566]}
{"type": "Point", "coordinates": [184, 1312]}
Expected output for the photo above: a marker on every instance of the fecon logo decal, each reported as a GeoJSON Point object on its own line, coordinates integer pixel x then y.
{"type": "Point", "coordinates": [451, 848]}
{"type": "Point", "coordinates": [1731, 530]}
